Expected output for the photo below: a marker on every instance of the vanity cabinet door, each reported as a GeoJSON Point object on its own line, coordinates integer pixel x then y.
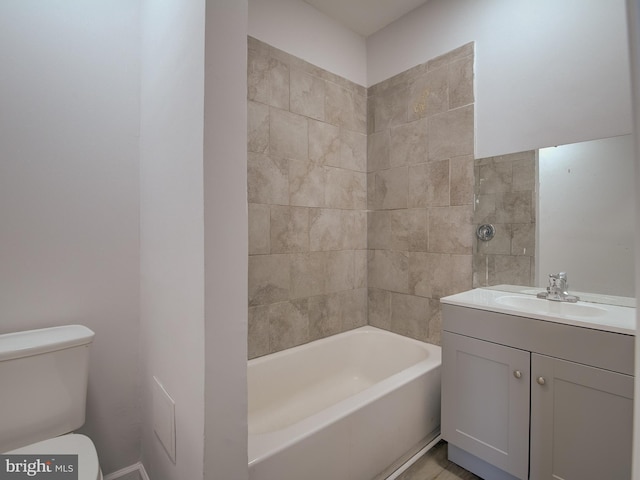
{"type": "Point", "coordinates": [485, 401]}
{"type": "Point", "coordinates": [581, 421]}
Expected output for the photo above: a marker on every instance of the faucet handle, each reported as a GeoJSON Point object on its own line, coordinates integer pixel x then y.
{"type": "Point", "coordinates": [559, 280]}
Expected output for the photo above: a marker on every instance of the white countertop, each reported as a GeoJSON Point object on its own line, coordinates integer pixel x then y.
{"type": "Point", "coordinates": [598, 316]}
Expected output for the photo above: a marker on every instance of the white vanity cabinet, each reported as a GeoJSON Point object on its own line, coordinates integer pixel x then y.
{"type": "Point", "coordinates": [530, 399]}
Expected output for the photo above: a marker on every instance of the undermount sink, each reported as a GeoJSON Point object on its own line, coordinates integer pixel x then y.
{"type": "Point", "coordinates": [532, 304]}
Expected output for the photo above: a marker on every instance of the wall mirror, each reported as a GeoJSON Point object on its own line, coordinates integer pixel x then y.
{"type": "Point", "coordinates": [568, 208]}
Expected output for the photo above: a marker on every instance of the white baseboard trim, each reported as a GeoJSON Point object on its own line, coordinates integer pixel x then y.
{"type": "Point", "coordinates": [136, 467]}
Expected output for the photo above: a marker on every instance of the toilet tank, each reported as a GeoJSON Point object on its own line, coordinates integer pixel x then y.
{"type": "Point", "coordinates": [43, 383]}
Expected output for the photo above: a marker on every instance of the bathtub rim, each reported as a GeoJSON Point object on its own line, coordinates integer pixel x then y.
{"type": "Point", "coordinates": [264, 445]}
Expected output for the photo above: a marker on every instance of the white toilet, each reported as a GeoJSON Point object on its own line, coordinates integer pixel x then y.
{"type": "Point", "coordinates": [44, 376]}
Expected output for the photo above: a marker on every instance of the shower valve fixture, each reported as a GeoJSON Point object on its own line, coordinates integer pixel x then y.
{"type": "Point", "coordinates": [486, 232]}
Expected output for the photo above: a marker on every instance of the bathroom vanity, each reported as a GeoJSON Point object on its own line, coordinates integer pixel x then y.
{"type": "Point", "coordinates": [535, 389]}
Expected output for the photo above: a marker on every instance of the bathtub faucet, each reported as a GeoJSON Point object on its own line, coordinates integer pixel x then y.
{"type": "Point", "coordinates": [557, 290]}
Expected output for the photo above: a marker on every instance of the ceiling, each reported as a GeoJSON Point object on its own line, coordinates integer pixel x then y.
{"type": "Point", "coordinates": [365, 16]}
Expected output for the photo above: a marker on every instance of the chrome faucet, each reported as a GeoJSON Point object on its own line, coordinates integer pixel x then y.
{"type": "Point", "coordinates": [557, 290]}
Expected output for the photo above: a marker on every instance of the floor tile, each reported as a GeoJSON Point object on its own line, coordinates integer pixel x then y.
{"type": "Point", "coordinates": [434, 465]}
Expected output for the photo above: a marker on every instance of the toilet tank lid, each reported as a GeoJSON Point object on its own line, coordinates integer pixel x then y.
{"type": "Point", "coordinates": [34, 342]}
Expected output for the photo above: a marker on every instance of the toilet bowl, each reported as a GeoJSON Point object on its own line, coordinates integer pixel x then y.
{"type": "Point", "coordinates": [70, 444]}
{"type": "Point", "coordinates": [48, 371]}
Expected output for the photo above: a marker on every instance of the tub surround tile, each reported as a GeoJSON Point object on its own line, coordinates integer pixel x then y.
{"type": "Point", "coordinates": [308, 274]}
{"type": "Point", "coordinates": [327, 229]}
{"type": "Point", "coordinates": [450, 229]}
{"type": "Point", "coordinates": [379, 308]}
{"type": "Point", "coordinates": [258, 338]}
{"type": "Point", "coordinates": [269, 280]}
{"type": "Point", "coordinates": [461, 180]}
{"type": "Point", "coordinates": [356, 228]}
{"type": "Point", "coordinates": [337, 312]}
{"type": "Point", "coordinates": [267, 179]}
{"type": "Point", "coordinates": [434, 330]}
{"type": "Point", "coordinates": [339, 271]}
{"type": "Point", "coordinates": [345, 189]}
{"type": "Point", "coordinates": [391, 188]}
{"type": "Point", "coordinates": [258, 127]}
{"type": "Point", "coordinates": [288, 135]}
{"type": "Point", "coordinates": [460, 79]}
{"type": "Point", "coordinates": [378, 148]}
{"type": "Point", "coordinates": [429, 94]}
{"type": "Point", "coordinates": [523, 239]}
{"type": "Point", "coordinates": [360, 269]}
{"type": "Point", "coordinates": [307, 94]}
{"type": "Point", "coordinates": [332, 229]}
{"type": "Point", "coordinates": [353, 151]}
{"type": "Point", "coordinates": [484, 209]}
{"type": "Point", "coordinates": [450, 133]}
{"type": "Point", "coordinates": [325, 316]}
{"type": "Point", "coordinates": [420, 276]}
{"type": "Point", "coordinates": [429, 184]}
{"type": "Point", "coordinates": [307, 182]}
{"type": "Point", "coordinates": [410, 315]}
{"type": "Point", "coordinates": [505, 193]}
{"type": "Point", "coordinates": [416, 221]}
{"type": "Point", "coordinates": [399, 225]}
{"type": "Point", "coordinates": [324, 143]}
{"type": "Point", "coordinates": [500, 244]}
{"type": "Point", "coordinates": [390, 107]}
{"type": "Point", "coordinates": [257, 75]}
{"type": "Point", "coordinates": [345, 108]}
{"type": "Point", "coordinates": [259, 229]}
{"type": "Point", "coordinates": [288, 324]}
{"type": "Point", "coordinates": [354, 309]}
{"type": "Point", "coordinates": [278, 84]}
{"type": "Point", "coordinates": [323, 150]}
{"type": "Point", "coordinates": [379, 230]}
{"type": "Point", "coordinates": [436, 275]}
{"type": "Point", "coordinates": [289, 229]}
{"type": "Point", "coordinates": [388, 270]}
{"type": "Point", "coordinates": [494, 178]}
{"type": "Point", "coordinates": [449, 57]}
{"type": "Point", "coordinates": [524, 173]}
{"type": "Point", "coordinates": [408, 143]}
{"type": "Point", "coordinates": [502, 269]}
{"type": "Point", "coordinates": [423, 214]}
{"type": "Point", "coordinates": [514, 207]}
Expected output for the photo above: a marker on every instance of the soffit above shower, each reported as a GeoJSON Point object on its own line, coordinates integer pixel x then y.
{"type": "Point", "coordinates": [365, 16]}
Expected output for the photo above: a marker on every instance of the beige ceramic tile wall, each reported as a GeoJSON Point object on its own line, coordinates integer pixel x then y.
{"type": "Point", "coordinates": [360, 201]}
{"type": "Point", "coordinates": [505, 198]}
{"type": "Point", "coordinates": [307, 194]}
{"type": "Point", "coordinates": [420, 193]}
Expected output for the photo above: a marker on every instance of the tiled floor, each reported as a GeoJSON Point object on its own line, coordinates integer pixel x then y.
{"type": "Point", "coordinates": [434, 465]}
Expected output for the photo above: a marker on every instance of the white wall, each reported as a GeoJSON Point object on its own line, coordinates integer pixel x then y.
{"type": "Point", "coordinates": [226, 240]}
{"type": "Point", "coordinates": [301, 30]}
{"type": "Point", "coordinates": [69, 193]}
{"type": "Point", "coordinates": [586, 215]}
{"type": "Point", "coordinates": [172, 229]}
{"type": "Point", "coordinates": [547, 72]}
{"type": "Point", "coordinates": [633, 10]}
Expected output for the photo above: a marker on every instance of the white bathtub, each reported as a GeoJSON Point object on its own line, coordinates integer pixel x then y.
{"type": "Point", "coordinates": [353, 406]}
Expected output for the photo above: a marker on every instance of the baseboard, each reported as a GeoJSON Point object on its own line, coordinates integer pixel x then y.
{"type": "Point", "coordinates": [136, 467]}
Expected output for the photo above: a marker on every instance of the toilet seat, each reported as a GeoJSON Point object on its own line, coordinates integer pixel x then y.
{"type": "Point", "coordinates": [71, 444]}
